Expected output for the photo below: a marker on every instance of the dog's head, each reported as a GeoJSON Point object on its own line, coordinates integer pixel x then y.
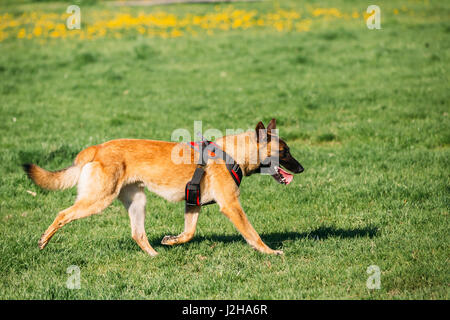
{"type": "Point", "coordinates": [274, 153]}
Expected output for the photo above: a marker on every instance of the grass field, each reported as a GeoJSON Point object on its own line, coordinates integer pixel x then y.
{"type": "Point", "coordinates": [364, 111]}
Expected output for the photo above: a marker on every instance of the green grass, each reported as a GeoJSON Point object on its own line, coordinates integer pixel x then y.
{"type": "Point", "coordinates": [365, 112]}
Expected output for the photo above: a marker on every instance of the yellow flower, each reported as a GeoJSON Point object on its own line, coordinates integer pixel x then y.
{"type": "Point", "coordinates": [176, 33]}
{"type": "Point", "coordinates": [3, 35]}
{"type": "Point", "coordinates": [117, 24]}
{"type": "Point", "coordinates": [331, 12]}
{"type": "Point", "coordinates": [141, 30]}
{"type": "Point", "coordinates": [236, 23]}
{"type": "Point", "coordinates": [37, 31]}
{"type": "Point", "coordinates": [22, 33]}
{"type": "Point", "coordinates": [278, 26]}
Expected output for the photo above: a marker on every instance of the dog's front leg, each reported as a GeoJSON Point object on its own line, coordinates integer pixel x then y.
{"type": "Point", "coordinates": [190, 223]}
{"type": "Point", "coordinates": [233, 211]}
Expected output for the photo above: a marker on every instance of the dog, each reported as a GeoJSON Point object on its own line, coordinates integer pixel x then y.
{"type": "Point", "coordinates": [123, 168]}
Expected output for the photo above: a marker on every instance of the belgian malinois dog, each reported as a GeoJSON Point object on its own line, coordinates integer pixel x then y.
{"type": "Point", "coordinates": [123, 168]}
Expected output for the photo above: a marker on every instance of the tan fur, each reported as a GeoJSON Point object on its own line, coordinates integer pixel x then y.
{"type": "Point", "coordinates": [61, 179]}
{"type": "Point", "coordinates": [122, 168]}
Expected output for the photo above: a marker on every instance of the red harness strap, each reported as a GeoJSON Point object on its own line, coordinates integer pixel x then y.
{"type": "Point", "coordinates": [192, 191]}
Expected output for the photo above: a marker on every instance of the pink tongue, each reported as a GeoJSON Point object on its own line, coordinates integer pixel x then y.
{"type": "Point", "coordinates": [287, 176]}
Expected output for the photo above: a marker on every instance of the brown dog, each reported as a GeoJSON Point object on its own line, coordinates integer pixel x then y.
{"type": "Point", "coordinates": [122, 168]}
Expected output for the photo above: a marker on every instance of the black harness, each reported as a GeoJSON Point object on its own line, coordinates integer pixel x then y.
{"type": "Point", "coordinates": [208, 150]}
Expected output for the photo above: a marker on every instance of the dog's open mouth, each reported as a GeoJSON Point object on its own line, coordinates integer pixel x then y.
{"type": "Point", "coordinates": [282, 176]}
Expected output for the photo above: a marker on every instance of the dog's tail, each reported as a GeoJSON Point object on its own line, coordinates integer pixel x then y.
{"type": "Point", "coordinates": [61, 179]}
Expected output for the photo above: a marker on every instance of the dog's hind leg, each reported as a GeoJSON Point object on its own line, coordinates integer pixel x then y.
{"type": "Point", "coordinates": [97, 188]}
{"type": "Point", "coordinates": [134, 199]}
{"type": "Point", "coordinates": [190, 224]}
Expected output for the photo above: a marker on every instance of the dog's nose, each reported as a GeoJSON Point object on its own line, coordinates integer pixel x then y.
{"type": "Point", "coordinates": [300, 169]}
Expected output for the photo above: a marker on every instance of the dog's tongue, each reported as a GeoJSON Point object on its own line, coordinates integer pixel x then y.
{"type": "Point", "coordinates": [287, 176]}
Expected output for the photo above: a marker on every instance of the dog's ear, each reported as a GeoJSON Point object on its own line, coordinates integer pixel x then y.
{"type": "Point", "coordinates": [272, 125]}
{"type": "Point", "coordinates": [259, 127]}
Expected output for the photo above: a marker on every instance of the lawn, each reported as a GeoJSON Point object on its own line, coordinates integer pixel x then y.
{"type": "Point", "coordinates": [366, 112]}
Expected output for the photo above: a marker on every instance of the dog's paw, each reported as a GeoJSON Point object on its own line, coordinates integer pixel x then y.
{"type": "Point", "coordinates": [169, 240]}
{"type": "Point", "coordinates": [152, 253]}
{"type": "Point", "coordinates": [278, 252]}
{"type": "Point", "coordinates": [42, 243]}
